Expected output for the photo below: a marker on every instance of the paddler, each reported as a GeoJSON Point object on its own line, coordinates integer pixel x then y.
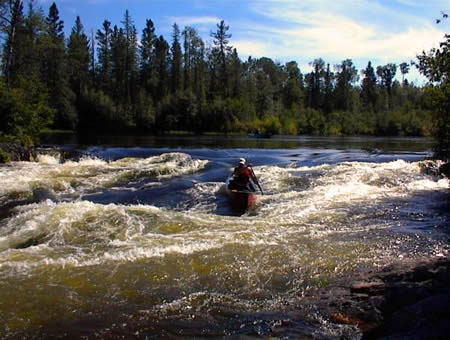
{"type": "Point", "coordinates": [243, 176]}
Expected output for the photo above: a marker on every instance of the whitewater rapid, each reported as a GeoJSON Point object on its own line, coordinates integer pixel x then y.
{"type": "Point", "coordinates": [74, 236]}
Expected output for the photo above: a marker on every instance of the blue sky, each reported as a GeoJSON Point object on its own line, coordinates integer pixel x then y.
{"type": "Point", "coordinates": [382, 31]}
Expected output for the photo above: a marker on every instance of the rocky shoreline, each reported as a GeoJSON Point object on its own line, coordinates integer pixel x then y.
{"type": "Point", "coordinates": [404, 300]}
{"type": "Point", "coordinates": [12, 152]}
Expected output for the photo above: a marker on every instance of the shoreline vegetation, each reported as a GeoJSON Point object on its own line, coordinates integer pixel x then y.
{"type": "Point", "coordinates": [110, 82]}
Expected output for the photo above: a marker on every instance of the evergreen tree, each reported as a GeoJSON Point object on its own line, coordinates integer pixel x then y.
{"type": "Point", "coordinates": [219, 54]}
{"type": "Point", "coordinates": [13, 21]}
{"type": "Point", "coordinates": [176, 71]}
{"type": "Point", "coordinates": [130, 65]}
{"type": "Point", "coordinates": [147, 56]}
{"type": "Point", "coordinates": [55, 72]}
{"type": "Point", "coordinates": [347, 75]}
{"type": "Point", "coordinates": [235, 74]}
{"type": "Point", "coordinates": [316, 84]}
{"type": "Point", "coordinates": [369, 88]}
{"type": "Point", "coordinates": [30, 44]}
{"type": "Point", "coordinates": [195, 67]}
{"type": "Point", "coordinates": [161, 67]}
{"type": "Point", "coordinates": [118, 64]}
{"type": "Point", "coordinates": [92, 63]}
{"type": "Point", "coordinates": [104, 38]}
{"type": "Point", "coordinates": [78, 59]}
{"type": "Point", "coordinates": [292, 89]}
{"type": "Point", "coordinates": [329, 98]}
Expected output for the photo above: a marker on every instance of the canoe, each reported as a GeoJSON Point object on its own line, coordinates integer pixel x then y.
{"type": "Point", "coordinates": [239, 199]}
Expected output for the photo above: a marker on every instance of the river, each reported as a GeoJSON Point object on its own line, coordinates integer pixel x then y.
{"type": "Point", "coordinates": [136, 236]}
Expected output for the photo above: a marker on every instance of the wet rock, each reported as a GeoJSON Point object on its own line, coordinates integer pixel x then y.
{"type": "Point", "coordinates": [11, 152]}
{"type": "Point", "coordinates": [15, 152]}
{"type": "Point", "coordinates": [412, 301]}
{"type": "Point", "coordinates": [62, 155]}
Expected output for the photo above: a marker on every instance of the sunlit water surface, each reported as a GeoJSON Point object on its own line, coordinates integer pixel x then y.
{"type": "Point", "coordinates": [142, 241]}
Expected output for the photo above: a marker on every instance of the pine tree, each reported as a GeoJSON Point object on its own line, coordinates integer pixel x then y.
{"type": "Point", "coordinates": [347, 75]}
{"type": "Point", "coordinates": [118, 64]}
{"type": "Point", "coordinates": [78, 59]}
{"type": "Point", "coordinates": [219, 54]}
{"type": "Point", "coordinates": [13, 24]}
{"type": "Point", "coordinates": [235, 74]}
{"type": "Point", "coordinates": [292, 89]}
{"type": "Point", "coordinates": [161, 67]}
{"type": "Point", "coordinates": [55, 73]}
{"type": "Point", "coordinates": [176, 61]}
{"type": "Point", "coordinates": [316, 84]}
{"type": "Point", "coordinates": [104, 42]}
{"type": "Point", "coordinates": [147, 56]}
{"type": "Point", "coordinates": [328, 91]}
{"type": "Point", "coordinates": [369, 88]}
{"type": "Point", "coordinates": [130, 72]}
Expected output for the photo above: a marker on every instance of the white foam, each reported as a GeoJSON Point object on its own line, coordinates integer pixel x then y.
{"type": "Point", "coordinates": [83, 233]}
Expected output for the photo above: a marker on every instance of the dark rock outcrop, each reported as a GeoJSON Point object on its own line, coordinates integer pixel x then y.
{"type": "Point", "coordinates": [16, 152]}
{"type": "Point", "coordinates": [397, 302]}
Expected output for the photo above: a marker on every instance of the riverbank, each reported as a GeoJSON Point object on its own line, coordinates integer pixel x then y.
{"type": "Point", "coordinates": [12, 152]}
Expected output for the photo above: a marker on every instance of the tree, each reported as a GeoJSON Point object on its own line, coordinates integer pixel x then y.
{"type": "Point", "coordinates": [347, 75]}
{"type": "Point", "coordinates": [78, 58]}
{"type": "Point", "coordinates": [130, 62]}
{"type": "Point", "coordinates": [235, 74]}
{"type": "Point", "coordinates": [315, 83]}
{"type": "Point", "coordinates": [292, 89]}
{"type": "Point", "coordinates": [368, 87]}
{"type": "Point", "coordinates": [176, 60]}
{"type": "Point", "coordinates": [161, 67]}
{"type": "Point", "coordinates": [118, 64]}
{"type": "Point", "coordinates": [328, 90]}
{"type": "Point", "coordinates": [386, 74]}
{"type": "Point", "coordinates": [55, 73]}
{"type": "Point", "coordinates": [24, 109]}
{"type": "Point", "coordinates": [147, 56]}
{"type": "Point", "coordinates": [104, 41]}
{"type": "Point", "coordinates": [435, 65]}
{"type": "Point", "coordinates": [220, 53]}
{"type": "Point", "coordinates": [12, 23]}
{"type": "Point", "coordinates": [194, 65]}
{"type": "Point", "coordinates": [404, 69]}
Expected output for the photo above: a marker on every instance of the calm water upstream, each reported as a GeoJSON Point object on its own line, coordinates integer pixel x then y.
{"type": "Point", "coordinates": [137, 237]}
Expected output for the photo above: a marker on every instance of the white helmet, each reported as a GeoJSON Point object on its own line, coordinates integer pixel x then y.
{"type": "Point", "coordinates": [241, 160]}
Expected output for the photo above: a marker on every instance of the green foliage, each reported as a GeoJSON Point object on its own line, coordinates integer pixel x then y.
{"type": "Point", "coordinates": [98, 112]}
{"type": "Point", "coordinates": [25, 110]}
{"type": "Point", "coordinates": [436, 67]}
{"type": "Point", "coordinates": [159, 86]}
{"type": "Point", "coordinates": [5, 157]}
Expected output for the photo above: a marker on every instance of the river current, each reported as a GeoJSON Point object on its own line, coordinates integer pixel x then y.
{"type": "Point", "coordinates": [141, 241]}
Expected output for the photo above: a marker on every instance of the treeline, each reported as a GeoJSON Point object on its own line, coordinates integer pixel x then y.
{"type": "Point", "coordinates": [109, 80]}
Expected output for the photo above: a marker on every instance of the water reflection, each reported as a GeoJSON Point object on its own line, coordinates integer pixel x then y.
{"type": "Point", "coordinates": [370, 144]}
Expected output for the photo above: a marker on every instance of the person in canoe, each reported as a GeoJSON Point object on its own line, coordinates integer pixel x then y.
{"type": "Point", "coordinates": [243, 177]}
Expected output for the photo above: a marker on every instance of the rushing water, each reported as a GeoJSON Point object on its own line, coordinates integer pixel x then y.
{"type": "Point", "coordinates": [142, 241]}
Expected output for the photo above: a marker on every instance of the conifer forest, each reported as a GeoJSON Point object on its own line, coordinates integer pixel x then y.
{"type": "Point", "coordinates": [121, 78]}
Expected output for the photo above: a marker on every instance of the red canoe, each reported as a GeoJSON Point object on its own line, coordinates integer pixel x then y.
{"type": "Point", "coordinates": [240, 199]}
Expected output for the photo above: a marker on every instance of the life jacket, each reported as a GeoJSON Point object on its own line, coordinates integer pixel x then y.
{"type": "Point", "coordinates": [242, 175]}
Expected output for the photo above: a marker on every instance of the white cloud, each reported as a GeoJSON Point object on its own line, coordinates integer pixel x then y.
{"type": "Point", "coordinates": [250, 48]}
{"type": "Point", "coordinates": [336, 30]}
{"type": "Point", "coordinates": [194, 20]}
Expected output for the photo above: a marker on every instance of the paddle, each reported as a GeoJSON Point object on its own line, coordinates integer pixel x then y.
{"type": "Point", "coordinates": [256, 179]}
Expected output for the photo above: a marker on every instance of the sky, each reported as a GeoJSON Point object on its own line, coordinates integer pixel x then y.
{"type": "Point", "coordinates": [380, 31]}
